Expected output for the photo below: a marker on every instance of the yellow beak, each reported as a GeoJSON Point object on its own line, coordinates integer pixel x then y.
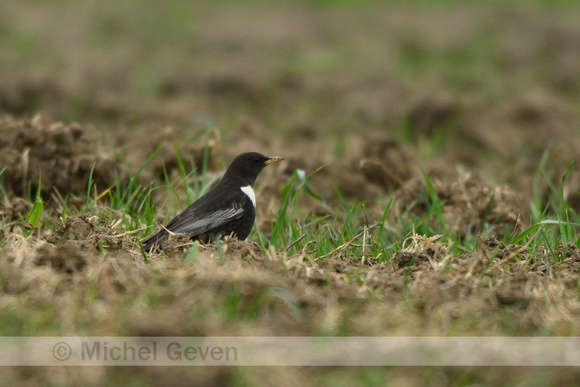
{"type": "Point", "coordinates": [273, 159]}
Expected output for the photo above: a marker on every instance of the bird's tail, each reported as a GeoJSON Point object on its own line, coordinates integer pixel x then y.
{"type": "Point", "coordinates": [154, 241]}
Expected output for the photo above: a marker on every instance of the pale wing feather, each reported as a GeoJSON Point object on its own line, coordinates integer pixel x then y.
{"type": "Point", "coordinates": [216, 219]}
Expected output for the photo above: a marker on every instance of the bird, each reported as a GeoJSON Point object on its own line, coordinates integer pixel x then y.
{"type": "Point", "coordinates": [229, 208]}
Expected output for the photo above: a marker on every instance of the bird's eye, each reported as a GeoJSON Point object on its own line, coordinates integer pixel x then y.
{"type": "Point", "coordinates": [257, 160]}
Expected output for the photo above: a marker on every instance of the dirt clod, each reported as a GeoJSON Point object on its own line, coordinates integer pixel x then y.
{"type": "Point", "coordinates": [468, 205]}
{"type": "Point", "coordinates": [16, 209]}
{"type": "Point", "coordinates": [64, 258]}
{"type": "Point", "coordinates": [51, 154]}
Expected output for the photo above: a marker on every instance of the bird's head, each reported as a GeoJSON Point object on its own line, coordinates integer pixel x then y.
{"type": "Point", "coordinates": [247, 166]}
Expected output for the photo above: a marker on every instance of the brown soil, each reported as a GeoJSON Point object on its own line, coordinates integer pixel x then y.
{"type": "Point", "coordinates": [474, 95]}
{"type": "Point", "coordinates": [51, 155]}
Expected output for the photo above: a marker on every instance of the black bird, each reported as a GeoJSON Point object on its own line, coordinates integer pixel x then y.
{"type": "Point", "coordinates": [228, 208]}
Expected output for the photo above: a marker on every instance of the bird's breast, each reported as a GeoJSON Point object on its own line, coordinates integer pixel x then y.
{"type": "Point", "coordinates": [249, 191]}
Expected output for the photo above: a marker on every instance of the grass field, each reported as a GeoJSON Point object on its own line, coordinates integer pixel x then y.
{"type": "Point", "coordinates": [430, 185]}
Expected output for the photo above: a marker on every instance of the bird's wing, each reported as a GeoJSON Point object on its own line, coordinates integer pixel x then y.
{"type": "Point", "coordinates": [186, 222]}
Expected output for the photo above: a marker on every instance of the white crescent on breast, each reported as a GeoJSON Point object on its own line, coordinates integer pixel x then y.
{"type": "Point", "coordinates": [248, 190]}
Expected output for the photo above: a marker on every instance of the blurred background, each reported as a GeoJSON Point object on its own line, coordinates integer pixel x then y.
{"type": "Point", "coordinates": [481, 86]}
